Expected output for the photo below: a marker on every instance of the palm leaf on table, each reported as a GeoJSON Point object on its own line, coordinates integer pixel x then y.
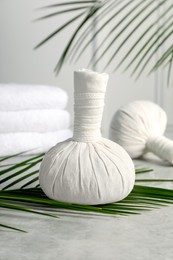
{"type": "Point", "coordinates": [33, 200]}
{"type": "Point", "coordinates": [141, 32]}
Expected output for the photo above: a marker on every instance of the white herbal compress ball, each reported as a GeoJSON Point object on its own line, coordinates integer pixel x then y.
{"type": "Point", "coordinates": [139, 127]}
{"type": "Point", "coordinates": [87, 169]}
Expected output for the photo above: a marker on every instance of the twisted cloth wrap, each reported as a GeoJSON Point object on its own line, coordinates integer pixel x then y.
{"type": "Point", "coordinates": [139, 127]}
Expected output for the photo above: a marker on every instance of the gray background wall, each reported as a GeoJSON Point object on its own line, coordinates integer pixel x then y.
{"type": "Point", "coordinates": [19, 63]}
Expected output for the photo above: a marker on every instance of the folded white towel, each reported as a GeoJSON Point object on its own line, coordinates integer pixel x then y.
{"type": "Point", "coordinates": [34, 120]}
{"type": "Point", "coordinates": [34, 143]}
{"type": "Point", "coordinates": [24, 97]}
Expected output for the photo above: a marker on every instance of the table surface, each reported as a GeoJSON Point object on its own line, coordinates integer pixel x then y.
{"type": "Point", "coordinates": [80, 237]}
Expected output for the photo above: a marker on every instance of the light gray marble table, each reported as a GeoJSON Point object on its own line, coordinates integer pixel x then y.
{"type": "Point", "coordinates": [148, 236]}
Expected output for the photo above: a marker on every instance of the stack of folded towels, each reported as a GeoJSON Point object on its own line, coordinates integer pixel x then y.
{"type": "Point", "coordinates": [32, 118]}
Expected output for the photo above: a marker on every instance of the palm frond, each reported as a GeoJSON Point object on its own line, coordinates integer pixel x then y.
{"type": "Point", "coordinates": [75, 49]}
{"type": "Point", "coordinates": [141, 37]}
{"type": "Point", "coordinates": [143, 170]}
{"type": "Point", "coordinates": [61, 12]}
{"type": "Point", "coordinates": [107, 22]}
{"type": "Point", "coordinates": [170, 67]}
{"type": "Point", "coordinates": [70, 3]}
{"type": "Point", "coordinates": [23, 163]}
{"type": "Point", "coordinates": [123, 30]}
{"type": "Point", "coordinates": [27, 170]}
{"type": "Point", "coordinates": [141, 199]}
{"type": "Point", "coordinates": [13, 228]}
{"type": "Point", "coordinates": [12, 205]}
{"type": "Point", "coordinates": [90, 14]}
{"type": "Point", "coordinates": [33, 200]}
{"type": "Point", "coordinates": [5, 158]}
{"type": "Point", "coordinates": [136, 201]}
{"type": "Point", "coordinates": [23, 173]}
{"type": "Point", "coordinates": [122, 20]}
{"type": "Point", "coordinates": [154, 180]}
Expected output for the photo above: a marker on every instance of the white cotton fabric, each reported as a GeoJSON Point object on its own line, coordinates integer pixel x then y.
{"type": "Point", "coordinates": [87, 173]}
{"type": "Point", "coordinates": [87, 169]}
{"type": "Point", "coordinates": [34, 120]}
{"type": "Point", "coordinates": [139, 127]}
{"type": "Point", "coordinates": [31, 143]}
{"type": "Point", "coordinates": [23, 97]}
{"type": "Point", "coordinates": [162, 147]}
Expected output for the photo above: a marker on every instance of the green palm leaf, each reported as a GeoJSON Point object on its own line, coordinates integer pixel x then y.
{"type": "Point", "coordinates": [141, 199]}
{"type": "Point", "coordinates": [84, 35]}
{"type": "Point", "coordinates": [127, 25]}
{"type": "Point", "coordinates": [33, 200]}
{"type": "Point", "coordinates": [70, 3]}
{"type": "Point", "coordinates": [107, 22]}
{"type": "Point", "coordinates": [13, 228]}
{"type": "Point", "coordinates": [24, 170]}
{"type": "Point", "coordinates": [122, 20]}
